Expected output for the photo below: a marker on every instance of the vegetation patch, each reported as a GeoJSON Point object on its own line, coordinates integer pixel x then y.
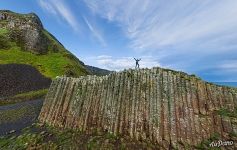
{"type": "Point", "coordinates": [3, 31]}
{"type": "Point", "coordinates": [56, 62]}
{"type": "Point", "coordinates": [233, 134]}
{"type": "Point", "coordinates": [227, 113]}
{"type": "Point", "coordinates": [19, 114]}
{"type": "Point", "coordinates": [50, 65]}
{"type": "Point", "coordinates": [24, 97]}
{"type": "Point", "coordinates": [10, 116]}
{"type": "Point", "coordinates": [46, 137]}
{"type": "Point", "coordinates": [206, 143]}
{"type": "Point", "coordinates": [5, 43]}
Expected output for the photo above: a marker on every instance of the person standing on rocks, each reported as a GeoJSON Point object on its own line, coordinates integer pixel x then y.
{"type": "Point", "coordinates": [137, 62]}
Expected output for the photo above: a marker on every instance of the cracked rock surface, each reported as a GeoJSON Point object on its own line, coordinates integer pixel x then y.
{"type": "Point", "coordinates": [167, 107]}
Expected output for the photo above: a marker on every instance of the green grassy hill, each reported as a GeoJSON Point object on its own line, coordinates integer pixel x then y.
{"type": "Point", "coordinates": [24, 40]}
{"type": "Point", "coordinates": [51, 64]}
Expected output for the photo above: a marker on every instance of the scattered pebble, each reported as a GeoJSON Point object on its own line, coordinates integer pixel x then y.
{"type": "Point", "coordinates": [12, 131]}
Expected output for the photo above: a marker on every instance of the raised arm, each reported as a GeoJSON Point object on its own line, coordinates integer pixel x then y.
{"type": "Point", "coordinates": [135, 59]}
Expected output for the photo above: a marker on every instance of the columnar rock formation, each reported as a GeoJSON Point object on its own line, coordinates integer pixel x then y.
{"type": "Point", "coordinates": [160, 105]}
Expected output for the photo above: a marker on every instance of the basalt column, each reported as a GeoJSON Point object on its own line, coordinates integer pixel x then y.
{"type": "Point", "coordinates": [167, 107]}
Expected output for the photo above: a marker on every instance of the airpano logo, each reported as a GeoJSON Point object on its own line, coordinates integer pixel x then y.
{"type": "Point", "coordinates": [221, 143]}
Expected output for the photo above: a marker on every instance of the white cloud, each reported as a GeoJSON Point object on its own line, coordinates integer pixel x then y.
{"type": "Point", "coordinates": [59, 8]}
{"type": "Point", "coordinates": [104, 57]}
{"type": "Point", "coordinates": [97, 34]}
{"type": "Point", "coordinates": [230, 65]}
{"type": "Point", "coordinates": [47, 7]}
{"type": "Point", "coordinates": [189, 35]}
{"type": "Point", "coordinates": [158, 24]}
{"type": "Point", "coordinates": [121, 63]}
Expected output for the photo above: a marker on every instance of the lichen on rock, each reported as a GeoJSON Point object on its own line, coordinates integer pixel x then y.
{"type": "Point", "coordinates": [166, 107]}
{"type": "Point", "coordinates": [26, 30]}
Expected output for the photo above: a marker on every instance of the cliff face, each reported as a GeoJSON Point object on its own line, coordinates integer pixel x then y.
{"type": "Point", "coordinates": [26, 29]}
{"type": "Point", "coordinates": [23, 40]}
{"type": "Point", "coordinates": [164, 106]}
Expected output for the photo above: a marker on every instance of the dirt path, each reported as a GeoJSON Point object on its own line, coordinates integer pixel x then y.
{"type": "Point", "coordinates": [15, 117]}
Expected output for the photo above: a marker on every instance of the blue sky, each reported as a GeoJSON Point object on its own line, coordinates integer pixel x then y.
{"type": "Point", "coordinates": [194, 36]}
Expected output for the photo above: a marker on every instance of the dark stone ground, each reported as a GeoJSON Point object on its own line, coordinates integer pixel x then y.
{"type": "Point", "coordinates": [20, 78]}
{"type": "Point", "coordinates": [16, 79]}
{"type": "Point", "coordinates": [15, 117]}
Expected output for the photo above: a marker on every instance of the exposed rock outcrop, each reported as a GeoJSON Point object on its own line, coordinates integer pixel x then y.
{"type": "Point", "coordinates": [25, 33]}
{"type": "Point", "coordinates": [160, 105]}
{"type": "Point", "coordinates": [26, 30]}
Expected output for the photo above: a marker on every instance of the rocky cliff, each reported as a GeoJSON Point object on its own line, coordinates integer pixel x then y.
{"type": "Point", "coordinates": [167, 107]}
{"type": "Point", "coordinates": [26, 29]}
{"type": "Point", "coordinates": [26, 32]}
{"type": "Point", "coordinates": [24, 40]}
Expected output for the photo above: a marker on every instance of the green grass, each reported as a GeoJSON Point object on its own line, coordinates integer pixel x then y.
{"type": "Point", "coordinates": [46, 137]}
{"type": "Point", "coordinates": [19, 113]}
{"type": "Point", "coordinates": [9, 116]}
{"type": "Point", "coordinates": [227, 113]}
{"type": "Point", "coordinates": [55, 45]}
{"type": "Point", "coordinates": [24, 97]}
{"type": "Point", "coordinates": [5, 43]}
{"type": "Point", "coordinates": [58, 61]}
{"type": "Point", "coordinates": [50, 65]}
{"type": "Point", "coordinates": [205, 144]}
{"type": "Point", "coordinates": [233, 134]}
{"type": "Point", "coordinates": [3, 31]}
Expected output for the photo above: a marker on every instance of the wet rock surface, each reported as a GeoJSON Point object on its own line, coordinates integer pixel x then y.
{"type": "Point", "coordinates": [19, 78]}
{"type": "Point", "coordinates": [15, 117]}
{"type": "Point", "coordinates": [167, 107]}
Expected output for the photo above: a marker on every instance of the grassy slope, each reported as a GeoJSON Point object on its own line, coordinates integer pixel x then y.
{"type": "Point", "coordinates": [51, 65]}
